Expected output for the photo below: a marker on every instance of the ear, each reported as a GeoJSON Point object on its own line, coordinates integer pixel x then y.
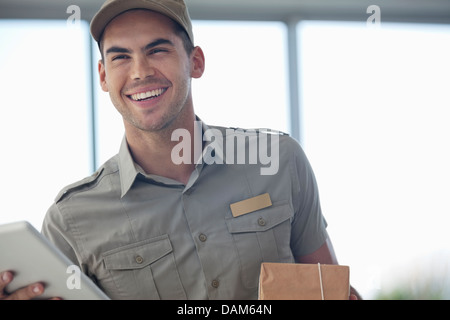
{"type": "Point", "coordinates": [102, 76]}
{"type": "Point", "coordinates": [198, 63]}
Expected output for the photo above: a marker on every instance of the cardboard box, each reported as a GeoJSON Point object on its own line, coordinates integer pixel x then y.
{"type": "Point", "coordinates": [295, 281]}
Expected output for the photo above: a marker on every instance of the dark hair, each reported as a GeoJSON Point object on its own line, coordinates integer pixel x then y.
{"type": "Point", "coordinates": [179, 31]}
{"type": "Point", "coordinates": [187, 43]}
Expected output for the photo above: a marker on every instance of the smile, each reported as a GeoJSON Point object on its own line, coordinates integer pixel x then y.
{"type": "Point", "coordinates": [147, 95]}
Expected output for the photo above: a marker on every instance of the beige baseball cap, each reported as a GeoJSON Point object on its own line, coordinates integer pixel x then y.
{"type": "Point", "coordinates": [174, 9]}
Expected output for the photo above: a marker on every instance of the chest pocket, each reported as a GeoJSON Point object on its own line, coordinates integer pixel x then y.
{"type": "Point", "coordinates": [262, 236]}
{"type": "Point", "coordinates": [143, 270]}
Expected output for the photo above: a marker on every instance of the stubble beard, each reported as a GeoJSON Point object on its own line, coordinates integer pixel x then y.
{"type": "Point", "coordinates": [165, 121]}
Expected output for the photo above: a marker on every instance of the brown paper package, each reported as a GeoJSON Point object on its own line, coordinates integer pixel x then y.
{"type": "Point", "coordinates": [294, 281]}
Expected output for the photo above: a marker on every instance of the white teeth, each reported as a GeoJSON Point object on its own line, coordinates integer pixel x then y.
{"type": "Point", "coordinates": [146, 95]}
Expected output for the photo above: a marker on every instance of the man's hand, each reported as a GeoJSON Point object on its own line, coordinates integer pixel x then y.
{"type": "Point", "coordinates": [26, 293]}
{"type": "Point", "coordinates": [354, 295]}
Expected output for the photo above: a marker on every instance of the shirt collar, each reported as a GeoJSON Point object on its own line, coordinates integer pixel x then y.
{"type": "Point", "coordinates": [127, 168]}
{"type": "Point", "coordinates": [212, 152]}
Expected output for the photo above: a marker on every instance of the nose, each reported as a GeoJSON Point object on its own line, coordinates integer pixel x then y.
{"type": "Point", "coordinates": [141, 68]}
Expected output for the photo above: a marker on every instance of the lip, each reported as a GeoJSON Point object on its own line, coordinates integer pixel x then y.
{"type": "Point", "coordinates": [149, 102]}
{"type": "Point", "coordinates": [145, 89]}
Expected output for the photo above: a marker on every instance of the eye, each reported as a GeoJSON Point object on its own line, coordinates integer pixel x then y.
{"type": "Point", "coordinates": [120, 57]}
{"type": "Point", "coordinates": [156, 50]}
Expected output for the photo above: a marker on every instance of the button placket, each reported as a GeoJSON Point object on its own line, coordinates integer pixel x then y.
{"type": "Point", "coordinates": [215, 283]}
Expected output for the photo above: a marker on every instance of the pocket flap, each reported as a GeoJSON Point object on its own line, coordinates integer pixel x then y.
{"type": "Point", "coordinates": [137, 255]}
{"type": "Point", "coordinates": [260, 220]}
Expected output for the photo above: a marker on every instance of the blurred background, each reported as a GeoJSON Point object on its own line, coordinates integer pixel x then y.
{"type": "Point", "coordinates": [362, 85]}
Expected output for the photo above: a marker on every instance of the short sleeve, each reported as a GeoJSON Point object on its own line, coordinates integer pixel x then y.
{"type": "Point", "coordinates": [56, 230]}
{"type": "Point", "coordinates": [308, 225]}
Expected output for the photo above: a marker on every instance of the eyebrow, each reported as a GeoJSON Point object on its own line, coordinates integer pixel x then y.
{"type": "Point", "coordinates": [116, 49]}
{"type": "Point", "coordinates": [158, 42]}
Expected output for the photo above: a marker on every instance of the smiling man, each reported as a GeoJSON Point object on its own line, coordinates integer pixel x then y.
{"type": "Point", "coordinates": [144, 227]}
{"type": "Point", "coordinates": [147, 72]}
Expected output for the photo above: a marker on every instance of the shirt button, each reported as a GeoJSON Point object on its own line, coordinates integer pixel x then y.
{"type": "Point", "coordinates": [202, 237]}
{"type": "Point", "coordinates": [215, 283]}
{"type": "Point", "coordinates": [139, 259]}
{"type": "Point", "coordinates": [261, 222]}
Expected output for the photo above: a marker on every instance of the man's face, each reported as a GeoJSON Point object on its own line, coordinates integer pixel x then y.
{"type": "Point", "coordinates": [146, 69]}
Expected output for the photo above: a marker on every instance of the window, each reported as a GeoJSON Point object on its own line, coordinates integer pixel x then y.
{"type": "Point", "coordinates": [376, 129]}
{"type": "Point", "coordinates": [245, 81]}
{"type": "Point", "coordinates": [45, 129]}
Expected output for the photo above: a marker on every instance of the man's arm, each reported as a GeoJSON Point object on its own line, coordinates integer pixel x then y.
{"type": "Point", "coordinates": [326, 255]}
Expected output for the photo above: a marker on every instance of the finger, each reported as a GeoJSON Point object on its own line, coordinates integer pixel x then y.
{"type": "Point", "coordinates": [5, 278]}
{"type": "Point", "coordinates": [27, 293]}
{"type": "Point", "coordinates": [353, 297]}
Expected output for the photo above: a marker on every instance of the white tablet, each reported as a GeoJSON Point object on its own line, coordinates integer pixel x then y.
{"type": "Point", "coordinates": [32, 258]}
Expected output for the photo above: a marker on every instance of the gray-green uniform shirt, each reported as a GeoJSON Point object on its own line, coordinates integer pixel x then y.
{"type": "Point", "coordinates": [141, 236]}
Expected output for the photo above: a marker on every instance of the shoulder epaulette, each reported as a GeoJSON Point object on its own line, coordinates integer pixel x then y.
{"type": "Point", "coordinates": [78, 185]}
{"type": "Point", "coordinates": [261, 130]}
